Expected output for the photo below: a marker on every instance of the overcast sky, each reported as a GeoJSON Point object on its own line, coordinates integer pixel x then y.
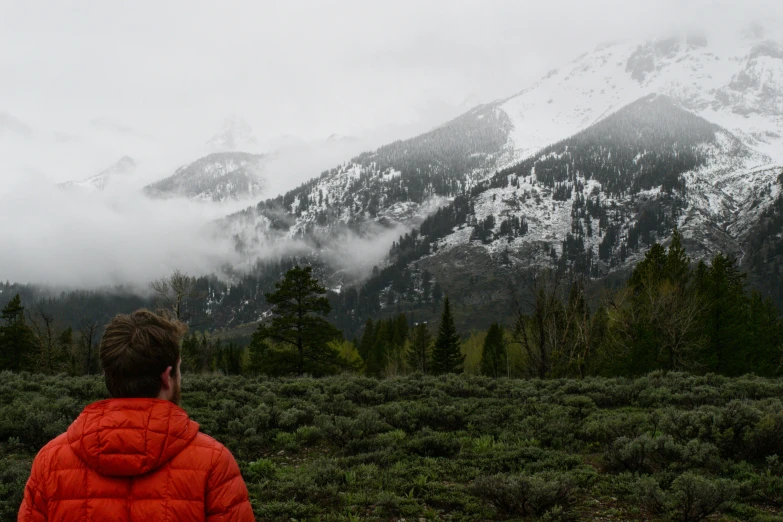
{"type": "Point", "coordinates": [167, 73]}
{"type": "Point", "coordinates": [175, 69]}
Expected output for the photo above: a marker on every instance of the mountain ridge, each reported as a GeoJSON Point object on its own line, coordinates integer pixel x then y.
{"type": "Point", "coordinates": [217, 177]}
{"type": "Point", "coordinates": [123, 167]}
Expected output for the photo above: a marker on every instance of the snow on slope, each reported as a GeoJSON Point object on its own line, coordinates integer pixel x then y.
{"type": "Point", "coordinates": [377, 195]}
{"type": "Point", "coordinates": [123, 167]}
{"type": "Point", "coordinates": [736, 83]}
{"type": "Point", "coordinates": [722, 197]}
{"type": "Point", "coordinates": [218, 177]}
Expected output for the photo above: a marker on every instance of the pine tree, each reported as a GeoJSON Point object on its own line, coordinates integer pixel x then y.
{"type": "Point", "coordinates": [651, 269]}
{"type": "Point", "coordinates": [258, 356]}
{"type": "Point", "coordinates": [231, 359]}
{"type": "Point", "coordinates": [368, 340]}
{"type": "Point", "coordinates": [375, 364]}
{"type": "Point", "coordinates": [765, 337]}
{"type": "Point", "coordinates": [446, 355]}
{"type": "Point", "coordinates": [191, 362]}
{"type": "Point", "coordinates": [494, 361]}
{"type": "Point", "coordinates": [660, 322]}
{"type": "Point", "coordinates": [400, 331]}
{"type": "Point", "coordinates": [725, 321]}
{"type": "Point", "coordinates": [420, 355]}
{"type": "Point", "coordinates": [677, 267]}
{"type": "Point", "coordinates": [17, 339]}
{"type": "Point", "coordinates": [298, 310]}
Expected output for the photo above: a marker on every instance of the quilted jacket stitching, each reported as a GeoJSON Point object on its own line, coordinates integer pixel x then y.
{"type": "Point", "coordinates": [98, 435]}
{"type": "Point", "coordinates": [146, 432]}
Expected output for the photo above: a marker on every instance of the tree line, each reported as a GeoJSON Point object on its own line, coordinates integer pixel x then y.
{"type": "Point", "coordinates": [671, 315]}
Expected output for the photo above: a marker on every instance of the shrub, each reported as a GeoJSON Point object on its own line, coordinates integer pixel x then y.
{"type": "Point", "coordinates": [691, 497]}
{"type": "Point", "coordinates": [459, 447]}
{"type": "Point", "coordinates": [308, 435]}
{"type": "Point", "coordinates": [768, 489]}
{"type": "Point", "coordinates": [694, 497]}
{"type": "Point", "coordinates": [287, 441]}
{"type": "Point", "coordinates": [644, 453]}
{"type": "Point", "coordinates": [292, 418]}
{"type": "Point", "coordinates": [261, 469]}
{"type": "Point", "coordinates": [526, 495]}
{"type": "Point", "coordinates": [434, 444]}
{"type": "Point", "coordinates": [13, 477]}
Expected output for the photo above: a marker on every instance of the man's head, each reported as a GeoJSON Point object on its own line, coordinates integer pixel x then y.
{"type": "Point", "coordinates": [140, 356]}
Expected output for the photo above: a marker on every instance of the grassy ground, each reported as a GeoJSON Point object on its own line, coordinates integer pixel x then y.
{"type": "Point", "coordinates": [663, 447]}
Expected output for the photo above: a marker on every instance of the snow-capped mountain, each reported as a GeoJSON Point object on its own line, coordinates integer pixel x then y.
{"type": "Point", "coordinates": [339, 138]}
{"type": "Point", "coordinates": [592, 204]}
{"type": "Point", "coordinates": [218, 177]}
{"type": "Point", "coordinates": [236, 135]}
{"type": "Point", "coordinates": [585, 169]}
{"type": "Point", "coordinates": [395, 186]}
{"type": "Point", "coordinates": [123, 167]}
{"type": "Point", "coordinates": [597, 199]}
{"type": "Point", "coordinates": [735, 82]}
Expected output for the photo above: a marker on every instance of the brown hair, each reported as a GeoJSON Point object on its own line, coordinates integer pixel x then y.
{"type": "Point", "coordinates": [136, 349]}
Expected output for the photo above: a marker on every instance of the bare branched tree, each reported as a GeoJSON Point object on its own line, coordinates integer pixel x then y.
{"type": "Point", "coordinates": [177, 293]}
{"type": "Point", "coordinates": [88, 331]}
{"type": "Point", "coordinates": [660, 310]}
{"type": "Point", "coordinates": [538, 321]}
{"type": "Point", "coordinates": [554, 326]}
{"type": "Point", "coordinates": [51, 350]}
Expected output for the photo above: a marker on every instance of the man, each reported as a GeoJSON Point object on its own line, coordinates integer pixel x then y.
{"type": "Point", "coordinates": [136, 456]}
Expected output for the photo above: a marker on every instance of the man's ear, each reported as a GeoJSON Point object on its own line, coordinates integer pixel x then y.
{"type": "Point", "coordinates": [166, 382]}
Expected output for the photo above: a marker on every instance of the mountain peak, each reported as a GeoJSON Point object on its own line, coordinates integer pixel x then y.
{"type": "Point", "coordinates": [235, 135]}
{"type": "Point", "coordinates": [124, 166]}
{"type": "Point", "coordinates": [734, 82]}
{"type": "Point", "coordinates": [217, 177]}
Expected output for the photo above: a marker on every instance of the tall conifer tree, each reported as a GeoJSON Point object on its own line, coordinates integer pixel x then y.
{"type": "Point", "coordinates": [494, 361]}
{"type": "Point", "coordinates": [420, 355]}
{"type": "Point", "coordinates": [446, 355]}
{"type": "Point", "coordinates": [17, 339]}
{"type": "Point", "coordinates": [298, 322]}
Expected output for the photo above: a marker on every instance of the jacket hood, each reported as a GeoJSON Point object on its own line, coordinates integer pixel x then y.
{"type": "Point", "coordinates": [130, 437]}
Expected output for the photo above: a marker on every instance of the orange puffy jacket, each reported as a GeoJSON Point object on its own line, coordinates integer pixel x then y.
{"type": "Point", "coordinates": [135, 459]}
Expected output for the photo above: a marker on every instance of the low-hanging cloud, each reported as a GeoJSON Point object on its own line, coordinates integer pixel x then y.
{"type": "Point", "coordinates": [82, 237]}
{"type": "Point", "coordinates": [87, 238]}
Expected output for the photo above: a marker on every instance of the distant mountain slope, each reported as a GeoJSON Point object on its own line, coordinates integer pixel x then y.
{"type": "Point", "coordinates": [591, 203]}
{"type": "Point", "coordinates": [582, 171]}
{"type": "Point", "coordinates": [217, 177]}
{"type": "Point", "coordinates": [396, 185]}
{"type": "Point", "coordinates": [701, 76]}
{"type": "Point", "coordinates": [124, 166]}
{"type": "Point", "coordinates": [763, 238]}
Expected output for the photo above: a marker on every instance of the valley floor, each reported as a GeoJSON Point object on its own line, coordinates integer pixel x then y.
{"type": "Point", "coordinates": [661, 447]}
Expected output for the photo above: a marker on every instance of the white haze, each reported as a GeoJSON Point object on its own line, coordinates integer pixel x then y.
{"type": "Point", "coordinates": [92, 81]}
{"type": "Point", "coordinates": [103, 239]}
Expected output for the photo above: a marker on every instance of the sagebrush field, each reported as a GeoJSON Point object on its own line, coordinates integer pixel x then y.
{"type": "Point", "coordinates": [661, 447]}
